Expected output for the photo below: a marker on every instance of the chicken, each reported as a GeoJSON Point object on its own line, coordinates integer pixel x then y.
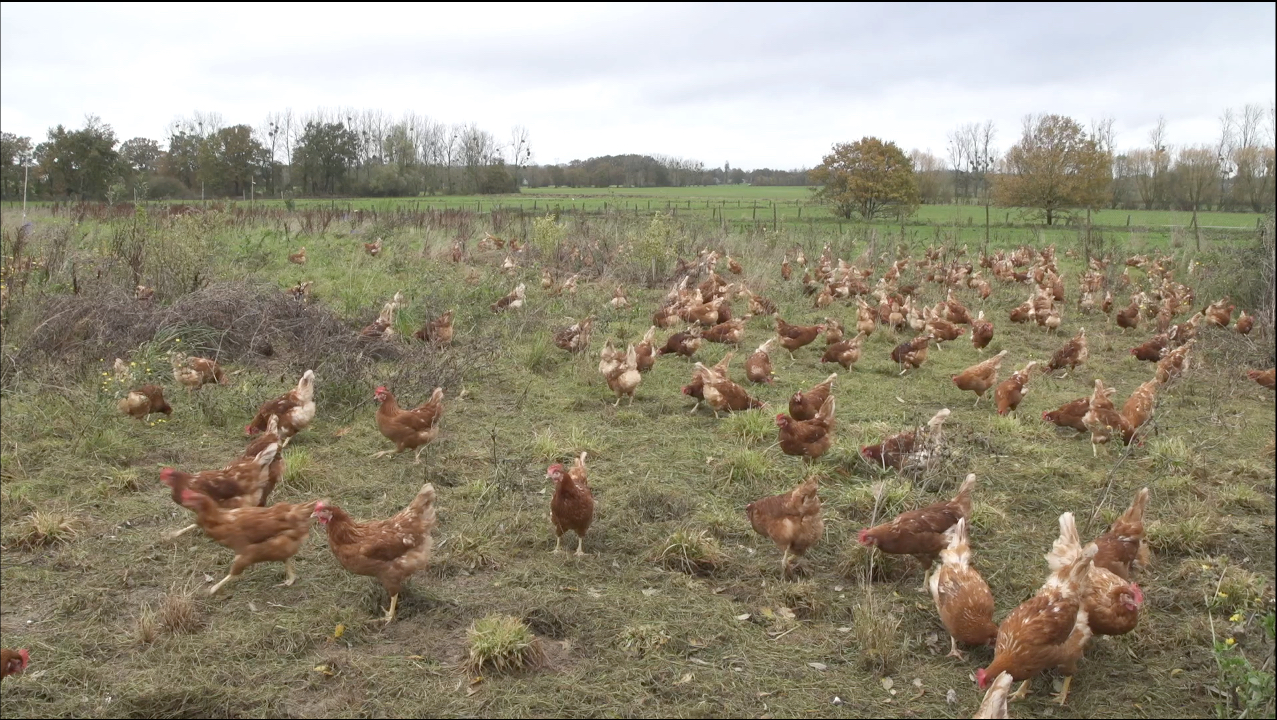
{"type": "Point", "coordinates": [920, 532]}
{"type": "Point", "coordinates": [1122, 548]}
{"type": "Point", "coordinates": [195, 372]}
{"type": "Point", "coordinates": [644, 352]}
{"type": "Point", "coordinates": [684, 343]}
{"type": "Point", "coordinates": [620, 370]}
{"type": "Point", "coordinates": [805, 405]}
{"type": "Point", "coordinates": [1112, 604]}
{"type": "Point", "coordinates": [897, 450]}
{"type": "Point", "coordinates": [729, 332]}
{"type": "Point", "coordinates": [980, 377]}
{"type": "Point", "coordinates": [576, 337]}
{"type": "Point", "coordinates": [758, 366]}
{"type": "Point", "coordinates": [1102, 419]}
{"type": "Point", "coordinates": [1129, 317]}
{"type": "Point", "coordinates": [1049, 630]}
{"type": "Point", "coordinates": [833, 331]}
{"type": "Point", "coordinates": [981, 332]}
{"type": "Point", "coordinates": [299, 257]}
{"type": "Point", "coordinates": [786, 271]}
{"type": "Point", "coordinates": [1244, 323]}
{"type": "Point", "coordinates": [994, 705]}
{"type": "Point", "coordinates": [1074, 353]}
{"type": "Point", "coordinates": [390, 550]}
{"type": "Point", "coordinates": [1069, 415]}
{"type": "Point", "coordinates": [1218, 313]}
{"type": "Point", "coordinates": [513, 301]}
{"type": "Point", "coordinates": [1173, 364]}
{"type": "Point", "coordinates": [143, 294]}
{"type": "Point", "coordinates": [143, 401]}
{"type": "Point", "coordinates": [807, 439]}
{"type": "Point", "coordinates": [1022, 313]}
{"type": "Point", "coordinates": [791, 520]}
{"type": "Point", "coordinates": [437, 331]}
{"type": "Point", "coordinates": [1106, 306]}
{"type": "Point", "coordinates": [455, 253]}
{"type": "Point", "coordinates": [246, 482]}
{"type": "Point", "coordinates": [256, 534]}
{"type": "Point", "coordinates": [301, 290]}
{"type": "Point", "coordinates": [1266, 378]}
{"type": "Point", "coordinates": [295, 408]}
{"type": "Point", "coordinates": [944, 331]}
{"type": "Point", "coordinates": [845, 352]}
{"type": "Point", "coordinates": [572, 507]}
{"type": "Point", "coordinates": [1153, 350]}
{"type": "Point", "coordinates": [1011, 391]}
{"type": "Point", "coordinates": [793, 337]}
{"type": "Point", "coordinates": [619, 301]}
{"type": "Point", "coordinates": [1138, 410]}
{"type": "Point", "coordinates": [408, 429]}
{"type": "Point", "coordinates": [955, 312]}
{"type": "Point", "coordinates": [961, 595]}
{"type": "Point", "coordinates": [696, 388]}
{"type": "Point", "coordinates": [13, 662]}
{"type": "Point", "coordinates": [911, 354]}
{"type": "Point", "coordinates": [373, 248]}
{"type": "Point", "coordinates": [722, 394]}
{"type": "Point", "coordinates": [734, 266]}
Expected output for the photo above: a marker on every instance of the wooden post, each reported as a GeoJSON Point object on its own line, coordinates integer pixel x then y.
{"type": "Point", "coordinates": [773, 217]}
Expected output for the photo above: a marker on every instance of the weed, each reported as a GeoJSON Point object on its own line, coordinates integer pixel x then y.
{"type": "Point", "coordinates": [643, 639]}
{"type": "Point", "coordinates": [689, 552]}
{"type": "Point", "coordinates": [501, 643]}
{"type": "Point", "coordinates": [47, 527]}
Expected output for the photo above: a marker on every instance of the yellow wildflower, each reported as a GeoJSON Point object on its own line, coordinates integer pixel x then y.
{"type": "Point", "coordinates": [1230, 642]}
{"type": "Point", "coordinates": [1237, 617]}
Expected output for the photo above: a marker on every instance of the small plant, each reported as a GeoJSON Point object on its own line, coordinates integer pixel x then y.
{"type": "Point", "coordinates": [692, 553]}
{"type": "Point", "coordinates": [500, 643]}
{"type": "Point", "coordinates": [179, 611]}
{"type": "Point", "coordinates": [540, 356]}
{"type": "Point", "coordinates": [1248, 692]}
{"type": "Point", "coordinates": [47, 528]}
{"type": "Point", "coordinates": [473, 552]}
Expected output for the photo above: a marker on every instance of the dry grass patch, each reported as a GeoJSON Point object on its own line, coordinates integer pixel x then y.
{"type": "Point", "coordinates": [501, 643]}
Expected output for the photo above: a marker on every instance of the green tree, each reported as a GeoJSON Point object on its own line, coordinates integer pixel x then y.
{"type": "Point", "coordinates": [140, 155]}
{"type": "Point", "coordinates": [235, 158]}
{"type": "Point", "coordinates": [15, 151]}
{"type": "Point", "coordinates": [324, 154]}
{"type": "Point", "coordinates": [82, 163]}
{"type": "Point", "coordinates": [868, 177]}
{"type": "Point", "coordinates": [1055, 166]}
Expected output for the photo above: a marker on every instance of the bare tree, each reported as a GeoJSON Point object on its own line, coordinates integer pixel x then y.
{"type": "Point", "coordinates": [1160, 160]}
{"type": "Point", "coordinates": [520, 150]}
{"type": "Point", "coordinates": [1196, 169]}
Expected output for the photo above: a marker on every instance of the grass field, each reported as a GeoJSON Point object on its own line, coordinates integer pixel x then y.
{"type": "Point", "coordinates": [119, 623]}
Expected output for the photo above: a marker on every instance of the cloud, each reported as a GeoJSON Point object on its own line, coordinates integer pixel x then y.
{"type": "Point", "coordinates": [756, 85]}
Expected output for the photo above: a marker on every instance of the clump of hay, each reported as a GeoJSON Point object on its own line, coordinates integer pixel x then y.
{"type": "Point", "coordinates": [501, 643]}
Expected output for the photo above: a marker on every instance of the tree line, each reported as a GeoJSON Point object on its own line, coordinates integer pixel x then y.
{"type": "Point", "coordinates": [322, 153]}
{"type": "Point", "coordinates": [1059, 166]}
{"type": "Point", "coordinates": [1056, 166]}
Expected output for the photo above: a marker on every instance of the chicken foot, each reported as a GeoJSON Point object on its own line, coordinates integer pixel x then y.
{"type": "Point", "coordinates": [1064, 691]}
{"type": "Point", "coordinates": [237, 567]}
{"type": "Point", "coordinates": [1021, 693]}
{"type": "Point", "coordinates": [394, 603]}
{"type": "Point", "coordinates": [558, 541]}
{"type": "Point", "coordinates": [954, 652]}
{"type": "Point", "coordinates": [179, 533]}
{"type": "Point", "coordinates": [580, 542]}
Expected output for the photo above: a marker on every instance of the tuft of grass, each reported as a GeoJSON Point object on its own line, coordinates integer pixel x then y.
{"type": "Point", "coordinates": [1239, 589]}
{"type": "Point", "coordinates": [543, 446]}
{"type": "Point", "coordinates": [1191, 533]}
{"type": "Point", "coordinates": [541, 355]}
{"type": "Point", "coordinates": [751, 426]}
{"type": "Point", "coordinates": [689, 552]}
{"type": "Point", "coordinates": [47, 527]}
{"type": "Point", "coordinates": [1170, 454]}
{"type": "Point", "coordinates": [643, 639]}
{"type": "Point", "coordinates": [473, 552]}
{"type": "Point", "coordinates": [501, 643]}
{"type": "Point", "coordinates": [875, 631]}
{"type": "Point", "coordinates": [745, 465]}
{"type": "Point", "coordinates": [179, 612]}
{"type": "Point", "coordinates": [297, 469]}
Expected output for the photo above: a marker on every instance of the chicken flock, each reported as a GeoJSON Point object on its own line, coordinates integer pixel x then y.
{"type": "Point", "coordinates": [1087, 590]}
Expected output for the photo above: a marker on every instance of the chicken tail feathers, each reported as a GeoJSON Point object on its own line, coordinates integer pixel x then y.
{"type": "Point", "coordinates": [1068, 547]}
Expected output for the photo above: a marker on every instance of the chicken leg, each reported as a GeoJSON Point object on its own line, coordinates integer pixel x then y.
{"type": "Point", "coordinates": [580, 542]}
{"type": "Point", "coordinates": [290, 574]}
{"type": "Point", "coordinates": [1064, 691]}
{"type": "Point", "coordinates": [558, 541]}
{"type": "Point", "coordinates": [784, 563]}
{"type": "Point", "coordinates": [237, 567]}
{"type": "Point", "coordinates": [1021, 693]}
{"type": "Point", "coordinates": [384, 453]}
{"type": "Point", "coordinates": [953, 649]}
{"type": "Point", "coordinates": [417, 460]}
{"type": "Point", "coordinates": [394, 603]}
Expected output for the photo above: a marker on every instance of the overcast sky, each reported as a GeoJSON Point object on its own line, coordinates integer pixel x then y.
{"type": "Point", "coordinates": [753, 85]}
